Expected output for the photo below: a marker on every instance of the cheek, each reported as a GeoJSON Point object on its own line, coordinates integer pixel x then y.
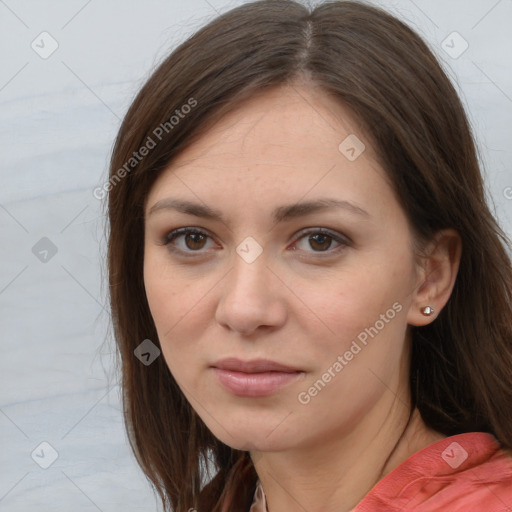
{"type": "Point", "coordinates": [171, 295]}
{"type": "Point", "coordinates": [168, 300]}
{"type": "Point", "coordinates": [360, 314]}
{"type": "Point", "coordinates": [355, 299]}
{"type": "Point", "coordinates": [177, 302]}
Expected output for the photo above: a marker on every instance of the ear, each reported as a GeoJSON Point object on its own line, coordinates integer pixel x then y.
{"type": "Point", "coordinates": [437, 272]}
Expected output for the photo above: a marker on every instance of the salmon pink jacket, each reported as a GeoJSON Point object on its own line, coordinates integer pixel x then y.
{"type": "Point", "coordinates": [462, 473]}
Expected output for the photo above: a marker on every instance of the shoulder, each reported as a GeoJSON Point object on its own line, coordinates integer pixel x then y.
{"type": "Point", "coordinates": [463, 473]}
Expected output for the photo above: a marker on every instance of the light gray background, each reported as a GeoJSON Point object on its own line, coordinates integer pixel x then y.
{"type": "Point", "coordinates": [58, 120]}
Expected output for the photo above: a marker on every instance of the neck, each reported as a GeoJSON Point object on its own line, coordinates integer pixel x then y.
{"type": "Point", "coordinates": [334, 473]}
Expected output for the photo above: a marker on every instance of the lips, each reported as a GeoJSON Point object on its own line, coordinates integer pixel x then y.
{"type": "Point", "coordinates": [253, 366]}
{"type": "Point", "coordinates": [256, 378]}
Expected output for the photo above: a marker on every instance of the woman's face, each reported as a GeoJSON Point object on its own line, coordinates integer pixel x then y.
{"type": "Point", "coordinates": [324, 291]}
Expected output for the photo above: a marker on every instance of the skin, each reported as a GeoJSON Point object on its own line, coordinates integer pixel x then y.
{"type": "Point", "coordinates": [301, 307]}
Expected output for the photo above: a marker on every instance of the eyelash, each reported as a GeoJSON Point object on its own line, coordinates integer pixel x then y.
{"type": "Point", "coordinates": [342, 240]}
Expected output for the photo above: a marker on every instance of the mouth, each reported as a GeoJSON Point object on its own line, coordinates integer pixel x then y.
{"type": "Point", "coordinates": [256, 378]}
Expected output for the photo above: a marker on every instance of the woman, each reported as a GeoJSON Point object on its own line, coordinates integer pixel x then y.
{"type": "Point", "coordinates": [298, 226]}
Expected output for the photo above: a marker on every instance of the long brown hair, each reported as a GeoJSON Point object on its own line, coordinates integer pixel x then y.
{"type": "Point", "coordinates": [461, 370]}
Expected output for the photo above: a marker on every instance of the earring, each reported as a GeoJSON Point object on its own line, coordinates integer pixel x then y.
{"type": "Point", "coordinates": [427, 310]}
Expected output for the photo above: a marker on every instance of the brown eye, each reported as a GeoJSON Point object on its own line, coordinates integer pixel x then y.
{"type": "Point", "coordinates": [193, 240]}
{"type": "Point", "coordinates": [320, 240]}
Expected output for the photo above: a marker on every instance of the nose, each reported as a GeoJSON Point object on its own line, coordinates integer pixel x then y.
{"type": "Point", "coordinates": [252, 297]}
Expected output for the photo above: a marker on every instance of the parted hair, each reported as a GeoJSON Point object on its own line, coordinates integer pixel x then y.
{"type": "Point", "coordinates": [389, 78]}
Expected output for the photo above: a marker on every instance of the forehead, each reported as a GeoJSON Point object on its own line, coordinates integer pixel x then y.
{"type": "Point", "coordinates": [279, 146]}
{"type": "Point", "coordinates": [283, 123]}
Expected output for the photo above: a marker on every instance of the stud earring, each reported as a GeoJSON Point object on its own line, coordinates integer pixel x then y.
{"type": "Point", "coordinates": [427, 310]}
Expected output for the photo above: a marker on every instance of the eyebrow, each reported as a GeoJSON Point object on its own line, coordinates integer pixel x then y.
{"type": "Point", "coordinates": [281, 213]}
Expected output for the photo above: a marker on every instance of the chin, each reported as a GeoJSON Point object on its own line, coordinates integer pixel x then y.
{"type": "Point", "coordinates": [250, 434]}
{"type": "Point", "coordinates": [256, 444]}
